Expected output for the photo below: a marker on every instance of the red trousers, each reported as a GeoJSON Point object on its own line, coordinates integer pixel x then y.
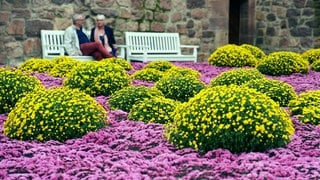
{"type": "Point", "coordinates": [94, 49]}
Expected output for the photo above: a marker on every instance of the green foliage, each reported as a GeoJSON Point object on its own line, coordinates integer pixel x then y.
{"type": "Point", "coordinates": [36, 65]}
{"type": "Point", "coordinates": [278, 91]}
{"type": "Point", "coordinates": [98, 79]}
{"type": "Point", "coordinates": [179, 87]}
{"type": "Point", "coordinates": [121, 62]}
{"type": "Point", "coordinates": [233, 56]}
{"type": "Point", "coordinates": [232, 117]}
{"type": "Point", "coordinates": [154, 110]}
{"type": "Point", "coordinates": [13, 86]}
{"type": "Point", "coordinates": [316, 66]}
{"type": "Point", "coordinates": [307, 107]}
{"type": "Point", "coordinates": [160, 65]}
{"type": "Point", "coordinates": [255, 51]}
{"type": "Point", "coordinates": [283, 63]}
{"type": "Point", "coordinates": [183, 71]}
{"type": "Point", "coordinates": [236, 76]}
{"type": "Point", "coordinates": [125, 98]}
{"type": "Point", "coordinates": [148, 74]}
{"type": "Point", "coordinates": [311, 55]}
{"type": "Point", "coordinates": [54, 114]}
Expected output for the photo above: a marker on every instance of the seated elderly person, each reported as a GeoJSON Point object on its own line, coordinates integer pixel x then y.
{"type": "Point", "coordinates": [77, 42]}
{"type": "Point", "coordinates": [103, 34]}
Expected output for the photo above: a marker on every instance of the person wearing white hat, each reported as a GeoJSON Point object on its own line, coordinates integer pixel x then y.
{"type": "Point", "coordinates": [77, 42]}
{"type": "Point", "coordinates": [104, 34]}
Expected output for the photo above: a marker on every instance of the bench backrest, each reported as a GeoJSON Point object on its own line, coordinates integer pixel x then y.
{"type": "Point", "coordinates": [156, 43]}
{"type": "Point", "coordinates": [52, 42]}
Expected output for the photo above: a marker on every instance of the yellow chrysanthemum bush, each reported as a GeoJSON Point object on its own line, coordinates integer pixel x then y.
{"type": "Point", "coordinates": [64, 68]}
{"type": "Point", "coordinates": [120, 61]}
{"type": "Point", "coordinates": [54, 114]}
{"type": "Point", "coordinates": [126, 97]}
{"type": "Point", "coordinates": [184, 71]}
{"type": "Point", "coordinates": [280, 92]}
{"type": "Point", "coordinates": [147, 74]}
{"type": "Point", "coordinates": [307, 107]}
{"type": "Point", "coordinates": [179, 87]}
{"type": "Point", "coordinates": [283, 63]}
{"type": "Point", "coordinates": [255, 51]}
{"type": "Point", "coordinates": [232, 117]}
{"type": "Point", "coordinates": [233, 56]}
{"type": "Point", "coordinates": [316, 66]}
{"type": "Point", "coordinates": [13, 86]}
{"type": "Point", "coordinates": [36, 65]}
{"type": "Point", "coordinates": [156, 109]}
{"type": "Point", "coordinates": [236, 76]}
{"type": "Point", "coordinates": [311, 55]}
{"type": "Point", "coordinates": [160, 65]}
{"type": "Point", "coordinates": [98, 79]}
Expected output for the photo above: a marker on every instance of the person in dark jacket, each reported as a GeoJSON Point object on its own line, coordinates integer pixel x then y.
{"type": "Point", "coordinates": [104, 34]}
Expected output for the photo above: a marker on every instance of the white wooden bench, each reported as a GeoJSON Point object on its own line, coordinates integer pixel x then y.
{"type": "Point", "coordinates": [151, 46]}
{"type": "Point", "coordinates": [52, 43]}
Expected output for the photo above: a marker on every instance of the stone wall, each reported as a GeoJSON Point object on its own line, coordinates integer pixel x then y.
{"type": "Point", "coordinates": [287, 25]}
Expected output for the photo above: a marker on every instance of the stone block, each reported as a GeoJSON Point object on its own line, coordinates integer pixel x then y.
{"type": "Point", "coordinates": [198, 13]}
{"type": "Point", "coordinates": [162, 17]}
{"type": "Point", "coordinates": [165, 4]}
{"type": "Point", "coordinates": [32, 46]}
{"type": "Point", "coordinates": [157, 27]}
{"type": "Point", "coordinates": [21, 13]}
{"type": "Point", "coordinates": [4, 18]}
{"type": "Point", "coordinates": [14, 49]}
{"type": "Point", "coordinates": [192, 4]}
{"type": "Point", "coordinates": [175, 17]}
{"type": "Point", "coordinates": [16, 27]}
{"type": "Point", "coordinates": [33, 27]}
{"type": "Point", "coordinates": [104, 3]}
{"type": "Point", "coordinates": [19, 3]}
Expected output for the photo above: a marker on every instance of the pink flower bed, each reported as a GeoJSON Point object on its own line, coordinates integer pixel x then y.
{"type": "Point", "coordinates": [135, 150]}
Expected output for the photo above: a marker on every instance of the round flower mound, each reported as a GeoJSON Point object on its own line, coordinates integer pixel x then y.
{"type": "Point", "coordinates": [236, 118]}
{"type": "Point", "coordinates": [311, 55]}
{"type": "Point", "coordinates": [178, 87]}
{"type": "Point", "coordinates": [233, 56]}
{"type": "Point", "coordinates": [255, 51]}
{"type": "Point", "coordinates": [36, 65]}
{"type": "Point", "coordinates": [236, 76]}
{"type": "Point", "coordinates": [13, 86]}
{"type": "Point", "coordinates": [98, 79]}
{"type": "Point", "coordinates": [125, 98]}
{"type": "Point", "coordinates": [148, 74]}
{"type": "Point", "coordinates": [307, 107]}
{"type": "Point", "coordinates": [154, 110]}
{"type": "Point", "coordinates": [184, 71]}
{"type": "Point", "coordinates": [283, 63]}
{"type": "Point", "coordinates": [121, 62]}
{"type": "Point", "coordinates": [160, 65]}
{"type": "Point", "coordinates": [63, 68]}
{"type": "Point", "coordinates": [278, 91]}
{"type": "Point", "coordinates": [54, 114]}
{"type": "Point", "coordinates": [316, 66]}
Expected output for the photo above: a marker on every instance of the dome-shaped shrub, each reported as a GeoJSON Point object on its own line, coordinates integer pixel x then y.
{"type": "Point", "coordinates": [54, 114]}
{"type": "Point", "coordinates": [184, 71]}
{"type": "Point", "coordinates": [148, 74]}
{"type": "Point", "coordinates": [125, 98]}
{"type": "Point", "coordinates": [236, 76]}
{"type": "Point", "coordinates": [307, 107]}
{"type": "Point", "coordinates": [233, 56]}
{"type": "Point", "coordinates": [316, 66]}
{"type": "Point", "coordinates": [160, 65]}
{"type": "Point", "coordinates": [311, 55]}
{"type": "Point", "coordinates": [154, 110]}
{"type": "Point", "coordinates": [255, 51]}
{"type": "Point", "coordinates": [120, 61]}
{"type": "Point", "coordinates": [232, 117]}
{"type": "Point", "coordinates": [98, 79]}
{"type": "Point", "coordinates": [63, 68]}
{"type": "Point", "coordinates": [13, 86]}
{"type": "Point", "coordinates": [278, 91]}
{"type": "Point", "coordinates": [179, 87]}
{"type": "Point", "coordinates": [283, 63]}
{"type": "Point", "coordinates": [36, 65]}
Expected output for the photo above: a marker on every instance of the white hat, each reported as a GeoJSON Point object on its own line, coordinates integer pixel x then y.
{"type": "Point", "coordinates": [100, 17]}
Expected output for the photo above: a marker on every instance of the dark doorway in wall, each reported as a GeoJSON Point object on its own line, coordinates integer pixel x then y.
{"type": "Point", "coordinates": [241, 21]}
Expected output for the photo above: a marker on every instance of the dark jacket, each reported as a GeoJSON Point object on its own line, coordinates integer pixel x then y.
{"type": "Point", "coordinates": [109, 32]}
